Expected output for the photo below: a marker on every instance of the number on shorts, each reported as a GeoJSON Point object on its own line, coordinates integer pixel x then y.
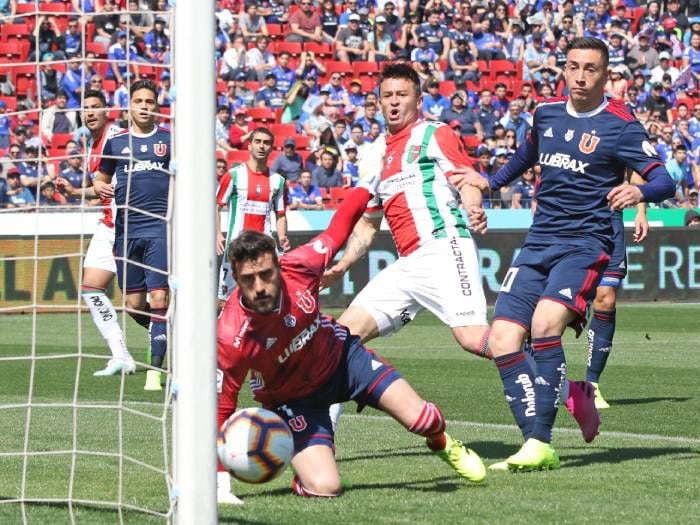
{"type": "Point", "coordinates": [509, 278]}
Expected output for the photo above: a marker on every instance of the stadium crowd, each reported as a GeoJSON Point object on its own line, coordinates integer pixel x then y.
{"type": "Point", "coordinates": [307, 70]}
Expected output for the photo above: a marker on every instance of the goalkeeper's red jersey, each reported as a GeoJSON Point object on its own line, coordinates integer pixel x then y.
{"type": "Point", "coordinates": [294, 350]}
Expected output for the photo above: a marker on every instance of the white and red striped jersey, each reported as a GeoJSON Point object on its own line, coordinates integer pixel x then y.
{"type": "Point", "coordinates": [251, 196]}
{"type": "Point", "coordinates": [94, 156]}
{"type": "Point", "coordinates": [418, 200]}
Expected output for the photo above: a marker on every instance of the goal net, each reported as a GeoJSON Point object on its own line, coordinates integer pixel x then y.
{"type": "Point", "coordinates": [75, 446]}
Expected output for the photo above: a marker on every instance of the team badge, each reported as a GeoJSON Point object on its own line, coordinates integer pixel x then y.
{"type": "Point", "coordinates": [389, 159]}
{"type": "Point", "coordinates": [306, 302]}
{"type": "Point", "coordinates": [290, 321]}
{"type": "Point", "coordinates": [588, 143]}
{"type": "Point", "coordinates": [258, 190]}
{"type": "Point", "coordinates": [569, 135]}
{"type": "Point", "coordinates": [144, 148]}
{"type": "Point", "coordinates": [413, 154]}
{"type": "Point", "coordinates": [160, 149]}
{"type": "Point", "coordinates": [297, 423]}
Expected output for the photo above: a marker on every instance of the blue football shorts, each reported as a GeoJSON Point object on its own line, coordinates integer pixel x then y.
{"type": "Point", "coordinates": [152, 271]}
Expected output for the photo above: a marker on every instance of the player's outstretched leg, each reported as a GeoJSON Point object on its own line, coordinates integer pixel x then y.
{"type": "Point", "coordinates": [600, 337]}
{"type": "Point", "coordinates": [425, 419]}
{"type": "Point", "coordinates": [105, 318]}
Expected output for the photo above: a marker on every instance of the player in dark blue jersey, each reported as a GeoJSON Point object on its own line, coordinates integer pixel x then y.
{"type": "Point", "coordinates": [139, 158]}
{"type": "Point", "coordinates": [601, 329]}
{"type": "Point", "coordinates": [583, 145]}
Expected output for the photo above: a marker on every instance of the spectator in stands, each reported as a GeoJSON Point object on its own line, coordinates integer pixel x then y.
{"type": "Point", "coordinates": [469, 123]}
{"type": "Point", "coordinates": [274, 11]}
{"type": "Point", "coordinates": [517, 120]}
{"type": "Point", "coordinates": [157, 43]}
{"type": "Point", "coordinates": [233, 61]}
{"type": "Point", "coordinates": [351, 41]}
{"type": "Point", "coordinates": [375, 130]}
{"type": "Point", "coordinates": [72, 39]}
{"type": "Point", "coordinates": [17, 196]}
{"type": "Point", "coordinates": [357, 140]}
{"type": "Point", "coordinates": [310, 66]}
{"type": "Point", "coordinates": [252, 24]}
{"type": "Point", "coordinates": [500, 102]}
{"type": "Point", "coordinates": [269, 96]}
{"type": "Point", "coordinates": [685, 138]}
{"type": "Point", "coordinates": [305, 24]}
{"type": "Point", "coordinates": [617, 49]}
{"type": "Point", "coordinates": [437, 34]}
{"type": "Point", "coordinates": [657, 102]}
{"type": "Point", "coordinates": [7, 88]}
{"type": "Point", "coordinates": [49, 196]}
{"type": "Point", "coordinates": [46, 38]}
{"type": "Point", "coordinates": [240, 130]}
{"type": "Point", "coordinates": [283, 73]}
{"type": "Point", "coordinates": [50, 79]}
{"type": "Point", "coordinates": [370, 115]}
{"type": "Point", "coordinates": [72, 175]}
{"type": "Point", "coordinates": [106, 23]}
{"type": "Point", "coordinates": [329, 19]}
{"type": "Point", "coordinates": [392, 19]}
{"type": "Point", "coordinates": [524, 191]}
{"type": "Point", "coordinates": [340, 134]}
{"type": "Point", "coordinates": [139, 22]}
{"type": "Point", "coordinates": [423, 53]}
{"type": "Point", "coordinates": [692, 202]}
{"type": "Point", "coordinates": [294, 103]}
{"type": "Point", "coordinates": [305, 196]}
{"type": "Point", "coordinates": [352, 9]}
{"type": "Point", "coordinates": [488, 44]}
{"type": "Point", "coordinates": [691, 58]}
{"type": "Point", "coordinates": [356, 97]}
{"type": "Point", "coordinates": [642, 55]}
{"type": "Point", "coordinates": [326, 175]}
{"type": "Point", "coordinates": [669, 37]}
{"type": "Point", "coordinates": [461, 65]}
{"type": "Point", "coordinates": [665, 67]}
{"type": "Point", "coordinates": [381, 41]}
{"type": "Point", "coordinates": [259, 61]}
{"type": "Point", "coordinates": [679, 169]}
{"type": "Point", "coordinates": [72, 83]}
{"type": "Point", "coordinates": [240, 95]}
{"type": "Point", "coordinates": [221, 167]}
{"type": "Point", "coordinates": [535, 59]}
{"type": "Point", "coordinates": [118, 54]}
{"type": "Point", "coordinates": [290, 163]}
{"type": "Point", "coordinates": [14, 156]}
{"type": "Point", "coordinates": [164, 100]}
{"type": "Point", "coordinates": [4, 127]}
{"type": "Point", "coordinates": [616, 86]}
{"type": "Point", "coordinates": [32, 172]}
{"type": "Point", "coordinates": [351, 172]}
{"type": "Point", "coordinates": [337, 94]}
{"type": "Point", "coordinates": [221, 132]}
{"type": "Point", "coordinates": [486, 112]}
{"type": "Point", "coordinates": [56, 119]}
{"type": "Point", "coordinates": [433, 102]}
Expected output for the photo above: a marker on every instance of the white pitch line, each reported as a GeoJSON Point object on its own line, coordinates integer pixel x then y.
{"type": "Point", "coordinates": [498, 426]}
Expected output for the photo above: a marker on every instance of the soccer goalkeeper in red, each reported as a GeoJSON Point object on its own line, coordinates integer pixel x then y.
{"type": "Point", "coordinates": [303, 361]}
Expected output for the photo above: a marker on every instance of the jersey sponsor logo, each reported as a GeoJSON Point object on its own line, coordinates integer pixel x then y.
{"type": "Point", "coordinates": [549, 133]}
{"type": "Point", "coordinates": [237, 340]}
{"type": "Point", "coordinates": [648, 149]}
{"type": "Point", "coordinates": [376, 364]}
{"type": "Point", "coordinates": [145, 165]}
{"type": "Point", "coordinates": [462, 270]}
{"type": "Point", "coordinates": [588, 143]}
{"type": "Point", "coordinates": [569, 135]}
{"type": "Point", "coordinates": [290, 321]}
{"type": "Point", "coordinates": [306, 302]}
{"type": "Point", "coordinates": [219, 380]}
{"type": "Point", "coordinates": [566, 292]}
{"type": "Point", "coordinates": [564, 161]}
{"type": "Point", "coordinates": [528, 394]}
{"type": "Point", "coordinates": [297, 423]}
{"type": "Point", "coordinates": [300, 340]}
{"type": "Point", "coordinates": [160, 149]}
{"type": "Point", "coordinates": [258, 190]}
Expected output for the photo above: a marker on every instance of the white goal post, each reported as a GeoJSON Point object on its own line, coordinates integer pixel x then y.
{"type": "Point", "coordinates": [194, 265]}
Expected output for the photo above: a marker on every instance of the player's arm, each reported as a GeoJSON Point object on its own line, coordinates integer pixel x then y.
{"type": "Point", "coordinates": [282, 232]}
{"type": "Point", "coordinates": [103, 176]}
{"type": "Point", "coordinates": [641, 223]}
{"type": "Point", "coordinates": [220, 237]}
{"type": "Point", "coordinates": [525, 158]}
{"type": "Point", "coordinates": [280, 204]}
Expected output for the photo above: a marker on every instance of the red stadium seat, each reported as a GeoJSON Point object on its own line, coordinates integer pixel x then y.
{"type": "Point", "coordinates": [294, 48]}
{"type": "Point", "coordinates": [25, 86]}
{"type": "Point", "coordinates": [365, 68]}
{"type": "Point", "coordinates": [447, 88]}
{"type": "Point", "coordinates": [10, 50]}
{"type": "Point", "coordinates": [237, 156]}
{"type": "Point", "coordinates": [99, 48]}
{"type": "Point", "coordinates": [275, 31]}
{"type": "Point", "coordinates": [502, 68]}
{"type": "Point", "coordinates": [284, 130]}
{"type": "Point", "coordinates": [59, 140]}
{"type": "Point", "coordinates": [261, 114]}
{"type": "Point", "coordinates": [337, 195]}
{"type": "Point", "coordinates": [320, 50]}
{"type": "Point", "coordinates": [17, 31]}
{"type": "Point", "coordinates": [338, 67]}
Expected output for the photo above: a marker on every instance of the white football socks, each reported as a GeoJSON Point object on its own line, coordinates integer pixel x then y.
{"type": "Point", "coordinates": [105, 317]}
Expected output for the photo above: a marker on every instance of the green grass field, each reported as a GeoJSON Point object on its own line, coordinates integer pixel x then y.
{"type": "Point", "coordinates": [643, 468]}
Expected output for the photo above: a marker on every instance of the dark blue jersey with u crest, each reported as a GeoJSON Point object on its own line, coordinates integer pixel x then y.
{"type": "Point", "coordinates": [583, 156]}
{"type": "Point", "coordinates": [140, 164]}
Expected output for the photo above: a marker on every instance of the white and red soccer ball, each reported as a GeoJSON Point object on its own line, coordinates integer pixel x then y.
{"type": "Point", "coordinates": [255, 445]}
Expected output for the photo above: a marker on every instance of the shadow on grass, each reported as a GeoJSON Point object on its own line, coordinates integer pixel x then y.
{"type": "Point", "coordinates": [485, 449]}
{"type": "Point", "coordinates": [620, 455]}
{"type": "Point", "coordinates": [647, 400]}
{"type": "Point", "coordinates": [104, 509]}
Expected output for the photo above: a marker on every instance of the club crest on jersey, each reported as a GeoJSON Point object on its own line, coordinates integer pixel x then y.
{"type": "Point", "coordinates": [306, 302]}
{"type": "Point", "coordinates": [413, 154]}
{"type": "Point", "coordinates": [588, 143]}
{"type": "Point", "coordinates": [144, 148]}
{"type": "Point", "coordinates": [569, 135]}
{"type": "Point", "coordinates": [290, 321]}
{"type": "Point", "coordinates": [160, 149]}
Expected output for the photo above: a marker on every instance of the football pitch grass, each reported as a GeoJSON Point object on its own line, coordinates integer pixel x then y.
{"type": "Point", "coordinates": [643, 468]}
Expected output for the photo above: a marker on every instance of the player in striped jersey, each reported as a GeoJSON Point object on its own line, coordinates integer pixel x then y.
{"type": "Point", "coordinates": [438, 266]}
{"type": "Point", "coordinates": [251, 192]}
{"type": "Point", "coordinates": [99, 267]}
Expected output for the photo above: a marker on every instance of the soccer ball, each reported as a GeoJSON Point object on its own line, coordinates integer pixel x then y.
{"type": "Point", "coordinates": [255, 445]}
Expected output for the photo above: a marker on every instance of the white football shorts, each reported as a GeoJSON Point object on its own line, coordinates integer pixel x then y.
{"type": "Point", "coordinates": [442, 277]}
{"type": "Point", "coordinates": [100, 251]}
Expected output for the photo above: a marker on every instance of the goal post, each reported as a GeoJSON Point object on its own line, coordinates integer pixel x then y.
{"type": "Point", "coordinates": [194, 265]}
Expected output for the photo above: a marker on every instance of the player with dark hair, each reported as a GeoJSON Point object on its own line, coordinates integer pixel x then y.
{"type": "Point", "coordinates": [251, 192]}
{"type": "Point", "coordinates": [99, 267]}
{"type": "Point", "coordinates": [583, 143]}
{"type": "Point", "coordinates": [140, 159]}
{"type": "Point", "coordinates": [303, 361]}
